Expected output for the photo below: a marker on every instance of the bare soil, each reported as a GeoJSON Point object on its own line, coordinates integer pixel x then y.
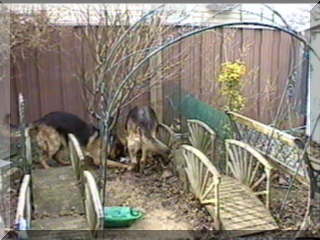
{"type": "Point", "coordinates": [160, 196]}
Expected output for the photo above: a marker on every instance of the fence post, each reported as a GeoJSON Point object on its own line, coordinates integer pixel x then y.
{"type": "Point", "coordinates": [156, 96]}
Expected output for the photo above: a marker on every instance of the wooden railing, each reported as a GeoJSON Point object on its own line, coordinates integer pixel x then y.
{"type": "Point", "coordinates": [165, 134]}
{"type": "Point", "coordinates": [90, 194]}
{"type": "Point", "coordinates": [249, 167]}
{"type": "Point", "coordinates": [93, 206]}
{"type": "Point", "coordinates": [76, 155]}
{"type": "Point", "coordinates": [202, 137]}
{"type": "Point", "coordinates": [23, 214]}
{"type": "Point", "coordinates": [287, 153]}
{"type": "Point", "coordinates": [28, 148]}
{"type": "Point", "coordinates": [24, 206]}
{"type": "Point", "coordinates": [284, 150]}
{"type": "Point", "coordinates": [204, 178]}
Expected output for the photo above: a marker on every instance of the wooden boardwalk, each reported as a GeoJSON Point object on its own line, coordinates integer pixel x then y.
{"type": "Point", "coordinates": [230, 200]}
{"type": "Point", "coordinates": [57, 200]}
{"type": "Point", "coordinates": [241, 210]}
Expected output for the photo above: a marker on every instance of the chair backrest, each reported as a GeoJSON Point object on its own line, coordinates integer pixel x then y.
{"type": "Point", "coordinates": [248, 166]}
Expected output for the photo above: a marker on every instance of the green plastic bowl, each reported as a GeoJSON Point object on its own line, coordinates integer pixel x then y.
{"type": "Point", "coordinates": [120, 216]}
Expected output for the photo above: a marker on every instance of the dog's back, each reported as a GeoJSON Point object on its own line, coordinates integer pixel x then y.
{"type": "Point", "coordinates": [66, 123]}
{"type": "Point", "coordinates": [51, 130]}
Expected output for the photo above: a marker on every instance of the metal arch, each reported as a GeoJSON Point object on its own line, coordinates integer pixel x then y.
{"type": "Point", "coordinates": [178, 39]}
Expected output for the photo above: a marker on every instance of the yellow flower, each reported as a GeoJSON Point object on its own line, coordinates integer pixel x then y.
{"type": "Point", "coordinates": [230, 79]}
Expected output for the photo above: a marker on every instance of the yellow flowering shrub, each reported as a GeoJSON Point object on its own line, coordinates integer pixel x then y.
{"type": "Point", "coordinates": [231, 82]}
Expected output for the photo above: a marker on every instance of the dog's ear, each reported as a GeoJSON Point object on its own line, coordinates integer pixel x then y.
{"type": "Point", "coordinates": [92, 138]}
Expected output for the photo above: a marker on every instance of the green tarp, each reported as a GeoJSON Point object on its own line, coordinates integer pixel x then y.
{"type": "Point", "coordinates": [192, 108]}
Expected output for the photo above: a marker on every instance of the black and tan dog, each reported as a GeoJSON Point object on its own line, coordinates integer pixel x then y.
{"type": "Point", "coordinates": [141, 128]}
{"type": "Point", "coordinates": [51, 135]}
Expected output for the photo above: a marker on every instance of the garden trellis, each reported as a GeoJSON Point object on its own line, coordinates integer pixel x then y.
{"type": "Point", "coordinates": [117, 99]}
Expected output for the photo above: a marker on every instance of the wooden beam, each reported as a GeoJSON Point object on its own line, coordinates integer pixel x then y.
{"type": "Point", "coordinates": [267, 130]}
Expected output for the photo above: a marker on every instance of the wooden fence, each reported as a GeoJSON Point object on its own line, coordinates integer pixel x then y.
{"type": "Point", "coordinates": [48, 80]}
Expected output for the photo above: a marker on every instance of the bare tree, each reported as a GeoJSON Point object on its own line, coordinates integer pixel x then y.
{"type": "Point", "coordinates": [30, 28]}
{"type": "Point", "coordinates": [116, 44]}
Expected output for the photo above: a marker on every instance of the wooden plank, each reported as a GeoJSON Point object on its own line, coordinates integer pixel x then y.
{"type": "Point", "coordinates": [315, 162]}
{"type": "Point", "coordinates": [284, 60]}
{"type": "Point", "coordinates": [79, 63]}
{"type": "Point", "coordinates": [156, 95]}
{"type": "Point", "coordinates": [240, 209]}
{"type": "Point", "coordinates": [276, 95]}
{"type": "Point", "coordinates": [13, 95]}
{"type": "Point", "coordinates": [67, 50]}
{"type": "Point", "coordinates": [267, 130]}
{"type": "Point", "coordinates": [265, 76]}
{"type": "Point", "coordinates": [238, 42]}
{"type": "Point", "coordinates": [208, 67]}
{"type": "Point", "coordinates": [249, 198]}
{"type": "Point", "coordinates": [174, 82]}
{"type": "Point", "coordinates": [48, 199]}
{"type": "Point", "coordinates": [5, 80]}
{"type": "Point", "coordinates": [25, 81]}
{"type": "Point", "coordinates": [20, 86]}
{"type": "Point", "coordinates": [231, 215]}
{"type": "Point", "coordinates": [196, 64]}
{"type": "Point", "coordinates": [284, 55]}
{"type": "Point", "coordinates": [245, 213]}
{"type": "Point", "coordinates": [257, 61]}
{"type": "Point", "coordinates": [186, 73]}
{"type": "Point", "coordinates": [86, 63]}
{"type": "Point", "coordinates": [23, 201]}
{"type": "Point", "coordinates": [245, 221]}
{"type": "Point", "coordinates": [250, 81]}
{"type": "Point", "coordinates": [171, 81]}
{"type": "Point", "coordinates": [252, 220]}
{"type": "Point", "coordinates": [217, 39]}
{"type": "Point", "coordinates": [32, 93]}
{"type": "Point", "coordinates": [49, 76]}
{"type": "Point", "coordinates": [165, 61]}
{"type": "Point", "coordinates": [71, 65]}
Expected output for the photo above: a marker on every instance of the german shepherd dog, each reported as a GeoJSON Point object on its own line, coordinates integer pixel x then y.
{"type": "Point", "coordinates": [51, 134]}
{"type": "Point", "coordinates": [141, 127]}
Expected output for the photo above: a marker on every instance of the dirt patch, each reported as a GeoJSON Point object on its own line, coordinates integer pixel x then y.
{"type": "Point", "coordinates": [161, 198]}
{"type": "Point", "coordinates": [289, 214]}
